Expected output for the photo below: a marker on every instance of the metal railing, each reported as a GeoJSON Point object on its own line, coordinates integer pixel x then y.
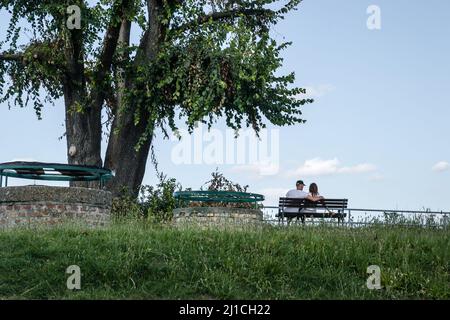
{"type": "Point", "coordinates": [361, 217]}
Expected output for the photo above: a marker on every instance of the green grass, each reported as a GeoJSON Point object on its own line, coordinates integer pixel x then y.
{"type": "Point", "coordinates": [130, 261]}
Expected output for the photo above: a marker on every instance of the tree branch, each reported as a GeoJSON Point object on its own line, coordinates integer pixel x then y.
{"type": "Point", "coordinates": [151, 39]}
{"type": "Point", "coordinates": [11, 57]}
{"type": "Point", "coordinates": [36, 57]}
{"type": "Point", "coordinates": [110, 43]}
{"type": "Point", "coordinates": [120, 74]}
{"type": "Point", "coordinates": [230, 14]}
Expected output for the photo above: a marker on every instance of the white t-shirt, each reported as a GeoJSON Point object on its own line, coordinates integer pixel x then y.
{"type": "Point", "coordinates": [294, 193]}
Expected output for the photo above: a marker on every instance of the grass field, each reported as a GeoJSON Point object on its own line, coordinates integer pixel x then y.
{"type": "Point", "coordinates": [131, 261]}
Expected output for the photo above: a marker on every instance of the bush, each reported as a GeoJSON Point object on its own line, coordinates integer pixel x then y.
{"type": "Point", "coordinates": [154, 204]}
{"type": "Point", "coordinates": [158, 202]}
{"type": "Point", "coordinates": [220, 183]}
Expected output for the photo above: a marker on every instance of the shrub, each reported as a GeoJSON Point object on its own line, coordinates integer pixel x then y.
{"type": "Point", "coordinates": [220, 183]}
{"type": "Point", "coordinates": [154, 204]}
{"type": "Point", "coordinates": [158, 202]}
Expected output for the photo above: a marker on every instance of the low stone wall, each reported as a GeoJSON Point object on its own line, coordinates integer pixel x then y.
{"type": "Point", "coordinates": [217, 217]}
{"type": "Point", "coordinates": [44, 205]}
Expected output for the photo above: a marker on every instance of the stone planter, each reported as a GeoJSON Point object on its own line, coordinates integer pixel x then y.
{"type": "Point", "coordinates": [44, 205]}
{"type": "Point", "coordinates": [217, 217]}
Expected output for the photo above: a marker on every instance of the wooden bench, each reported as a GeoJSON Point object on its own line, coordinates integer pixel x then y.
{"type": "Point", "coordinates": [326, 208]}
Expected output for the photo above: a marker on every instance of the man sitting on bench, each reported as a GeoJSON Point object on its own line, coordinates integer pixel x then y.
{"type": "Point", "coordinates": [299, 193]}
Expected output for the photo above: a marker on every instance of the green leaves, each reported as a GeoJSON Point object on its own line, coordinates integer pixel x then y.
{"type": "Point", "coordinates": [221, 67]}
{"type": "Point", "coordinates": [213, 59]}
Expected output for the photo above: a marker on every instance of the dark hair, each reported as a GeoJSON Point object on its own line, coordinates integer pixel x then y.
{"type": "Point", "coordinates": [313, 189]}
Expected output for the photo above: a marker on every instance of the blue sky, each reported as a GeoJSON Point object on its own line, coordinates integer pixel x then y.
{"type": "Point", "coordinates": [378, 126]}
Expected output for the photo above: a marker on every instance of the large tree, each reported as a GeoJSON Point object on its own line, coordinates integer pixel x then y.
{"type": "Point", "coordinates": [196, 60]}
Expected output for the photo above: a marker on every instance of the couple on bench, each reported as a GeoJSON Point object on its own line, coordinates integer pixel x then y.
{"type": "Point", "coordinates": [313, 196]}
{"type": "Point", "coordinates": [301, 204]}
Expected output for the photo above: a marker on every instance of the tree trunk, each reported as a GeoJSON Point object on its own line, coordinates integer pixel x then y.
{"type": "Point", "coordinates": [83, 130]}
{"type": "Point", "coordinates": [83, 112]}
{"type": "Point", "coordinates": [127, 163]}
{"type": "Point", "coordinates": [83, 121]}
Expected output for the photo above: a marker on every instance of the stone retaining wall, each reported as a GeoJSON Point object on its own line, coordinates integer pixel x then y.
{"type": "Point", "coordinates": [217, 217]}
{"type": "Point", "coordinates": [44, 205]}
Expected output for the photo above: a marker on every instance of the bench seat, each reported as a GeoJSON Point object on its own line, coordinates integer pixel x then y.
{"type": "Point", "coordinates": [326, 208]}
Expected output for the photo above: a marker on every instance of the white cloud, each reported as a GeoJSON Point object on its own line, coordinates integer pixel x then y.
{"type": "Point", "coordinates": [319, 167]}
{"type": "Point", "coordinates": [316, 91]}
{"type": "Point", "coordinates": [257, 170]}
{"type": "Point", "coordinates": [441, 166]}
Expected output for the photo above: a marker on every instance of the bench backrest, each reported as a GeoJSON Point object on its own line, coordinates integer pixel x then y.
{"type": "Point", "coordinates": [305, 203]}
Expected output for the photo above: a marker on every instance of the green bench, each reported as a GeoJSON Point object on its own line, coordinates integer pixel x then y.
{"type": "Point", "coordinates": [53, 172]}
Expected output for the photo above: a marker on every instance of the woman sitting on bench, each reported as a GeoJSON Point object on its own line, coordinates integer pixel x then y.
{"type": "Point", "coordinates": [313, 194]}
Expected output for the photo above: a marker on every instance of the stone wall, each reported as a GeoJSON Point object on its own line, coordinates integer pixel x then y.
{"type": "Point", "coordinates": [217, 217]}
{"type": "Point", "coordinates": [44, 205]}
